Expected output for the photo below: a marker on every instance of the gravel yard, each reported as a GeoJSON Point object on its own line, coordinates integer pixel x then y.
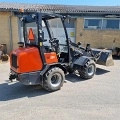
{"type": "Point", "coordinates": [78, 99]}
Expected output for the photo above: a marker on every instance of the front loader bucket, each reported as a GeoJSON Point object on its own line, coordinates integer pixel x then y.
{"type": "Point", "coordinates": [105, 57]}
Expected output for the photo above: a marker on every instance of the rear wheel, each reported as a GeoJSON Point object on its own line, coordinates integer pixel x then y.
{"type": "Point", "coordinates": [88, 71]}
{"type": "Point", "coordinates": [54, 79]}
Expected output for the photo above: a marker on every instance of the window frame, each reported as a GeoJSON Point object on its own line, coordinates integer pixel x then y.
{"type": "Point", "coordinates": [106, 28]}
{"type": "Point", "coordinates": [102, 21]}
{"type": "Point", "coordinates": [92, 19]}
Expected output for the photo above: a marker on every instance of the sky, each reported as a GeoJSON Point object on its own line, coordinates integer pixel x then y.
{"type": "Point", "coordinates": [70, 2]}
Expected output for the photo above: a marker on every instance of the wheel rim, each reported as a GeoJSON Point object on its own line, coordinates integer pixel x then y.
{"type": "Point", "coordinates": [91, 70]}
{"type": "Point", "coordinates": [56, 79]}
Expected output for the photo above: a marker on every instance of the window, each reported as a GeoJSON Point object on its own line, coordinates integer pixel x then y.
{"type": "Point", "coordinates": [110, 24]}
{"type": "Point", "coordinates": [69, 23]}
{"type": "Point", "coordinates": [57, 23]}
{"type": "Point", "coordinates": [105, 23]}
{"type": "Point", "coordinates": [93, 23]}
{"type": "Point", "coordinates": [53, 23]}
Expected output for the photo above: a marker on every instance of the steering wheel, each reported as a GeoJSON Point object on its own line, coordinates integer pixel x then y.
{"type": "Point", "coordinates": [53, 40]}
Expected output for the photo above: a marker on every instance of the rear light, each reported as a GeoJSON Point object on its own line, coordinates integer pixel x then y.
{"type": "Point", "coordinates": [14, 61]}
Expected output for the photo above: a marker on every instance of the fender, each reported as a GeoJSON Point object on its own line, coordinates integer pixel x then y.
{"type": "Point", "coordinates": [81, 62]}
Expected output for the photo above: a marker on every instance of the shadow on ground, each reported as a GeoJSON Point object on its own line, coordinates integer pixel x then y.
{"type": "Point", "coordinates": [100, 71]}
{"type": "Point", "coordinates": [116, 57]}
{"type": "Point", "coordinates": [18, 90]}
{"type": "Point", "coordinates": [74, 78]}
{"type": "Point", "coordinates": [77, 78]}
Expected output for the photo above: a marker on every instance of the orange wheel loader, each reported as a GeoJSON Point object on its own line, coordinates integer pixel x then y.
{"type": "Point", "coordinates": [33, 63]}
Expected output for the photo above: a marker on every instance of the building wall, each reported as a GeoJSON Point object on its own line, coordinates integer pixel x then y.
{"type": "Point", "coordinates": [97, 38]}
{"type": "Point", "coordinates": [5, 30]}
{"type": "Point", "coordinates": [15, 31]}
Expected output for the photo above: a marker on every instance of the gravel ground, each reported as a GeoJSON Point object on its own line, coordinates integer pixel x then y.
{"type": "Point", "coordinates": [78, 99]}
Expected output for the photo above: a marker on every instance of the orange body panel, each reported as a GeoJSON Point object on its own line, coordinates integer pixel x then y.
{"type": "Point", "coordinates": [28, 60]}
{"type": "Point", "coordinates": [51, 57]}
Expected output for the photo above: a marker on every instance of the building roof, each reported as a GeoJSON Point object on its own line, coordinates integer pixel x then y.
{"type": "Point", "coordinates": [59, 8]}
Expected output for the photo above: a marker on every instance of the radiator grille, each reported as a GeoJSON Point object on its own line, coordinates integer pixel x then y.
{"type": "Point", "coordinates": [14, 61]}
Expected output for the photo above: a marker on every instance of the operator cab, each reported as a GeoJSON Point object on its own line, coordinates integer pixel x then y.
{"type": "Point", "coordinates": [38, 32]}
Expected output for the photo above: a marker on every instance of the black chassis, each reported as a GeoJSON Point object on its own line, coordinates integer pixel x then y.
{"type": "Point", "coordinates": [34, 78]}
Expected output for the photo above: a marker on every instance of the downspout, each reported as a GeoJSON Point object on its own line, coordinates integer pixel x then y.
{"type": "Point", "coordinates": [10, 31]}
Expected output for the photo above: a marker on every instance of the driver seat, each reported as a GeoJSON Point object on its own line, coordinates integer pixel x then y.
{"type": "Point", "coordinates": [55, 46]}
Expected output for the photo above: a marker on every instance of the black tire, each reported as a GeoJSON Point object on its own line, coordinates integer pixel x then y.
{"type": "Point", "coordinates": [88, 71]}
{"type": "Point", "coordinates": [54, 79]}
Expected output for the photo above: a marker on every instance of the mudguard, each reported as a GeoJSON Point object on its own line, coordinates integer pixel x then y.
{"type": "Point", "coordinates": [81, 61]}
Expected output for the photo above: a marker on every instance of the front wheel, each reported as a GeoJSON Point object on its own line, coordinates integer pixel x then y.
{"type": "Point", "coordinates": [88, 71]}
{"type": "Point", "coordinates": [54, 79]}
